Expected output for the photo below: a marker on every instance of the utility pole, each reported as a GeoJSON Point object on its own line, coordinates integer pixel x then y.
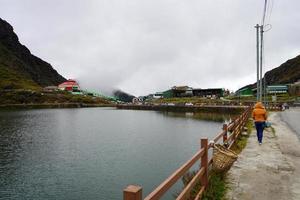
{"type": "Point", "coordinates": [259, 53]}
{"type": "Point", "coordinates": [265, 90]}
{"type": "Point", "coordinates": [257, 61]}
{"type": "Point", "coordinates": [261, 62]}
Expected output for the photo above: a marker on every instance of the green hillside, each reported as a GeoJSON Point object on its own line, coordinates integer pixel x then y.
{"type": "Point", "coordinates": [19, 69]}
{"type": "Point", "coordinates": [10, 78]}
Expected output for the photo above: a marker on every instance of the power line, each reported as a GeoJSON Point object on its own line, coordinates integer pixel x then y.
{"type": "Point", "coordinates": [270, 10]}
{"type": "Point", "coordinates": [264, 13]}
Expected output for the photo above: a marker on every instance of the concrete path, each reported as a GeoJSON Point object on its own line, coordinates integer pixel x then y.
{"type": "Point", "coordinates": [292, 118]}
{"type": "Point", "coordinates": [270, 171]}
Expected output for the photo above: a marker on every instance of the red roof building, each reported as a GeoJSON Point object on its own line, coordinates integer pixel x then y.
{"type": "Point", "coordinates": [70, 85]}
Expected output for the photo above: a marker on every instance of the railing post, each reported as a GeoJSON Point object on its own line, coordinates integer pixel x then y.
{"type": "Point", "coordinates": [132, 192]}
{"type": "Point", "coordinates": [225, 129]}
{"type": "Point", "coordinates": [204, 162]}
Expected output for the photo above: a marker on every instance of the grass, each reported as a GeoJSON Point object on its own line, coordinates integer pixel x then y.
{"type": "Point", "coordinates": [36, 97]}
{"type": "Point", "coordinates": [182, 100]}
{"type": "Point", "coordinates": [216, 189]}
{"type": "Point", "coordinates": [230, 100]}
{"type": "Point", "coordinates": [241, 141]}
{"type": "Point", "coordinates": [273, 131]}
{"type": "Point", "coordinates": [217, 186]}
{"type": "Point", "coordinates": [10, 77]}
{"type": "Point", "coordinates": [280, 98]}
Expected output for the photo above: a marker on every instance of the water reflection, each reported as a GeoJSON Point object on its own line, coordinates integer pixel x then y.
{"type": "Point", "coordinates": [216, 117]}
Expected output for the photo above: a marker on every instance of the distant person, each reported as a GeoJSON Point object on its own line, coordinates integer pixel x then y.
{"type": "Point", "coordinates": [259, 116]}
{"type": "Point", "coordinates": [285, 106]}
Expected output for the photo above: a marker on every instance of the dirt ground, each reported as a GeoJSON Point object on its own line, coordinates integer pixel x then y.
{"type": "Point", "coordinates": [267, 171]}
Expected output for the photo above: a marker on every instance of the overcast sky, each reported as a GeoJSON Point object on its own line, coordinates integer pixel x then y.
{"type": "Point", "coordinates": [144, 46]}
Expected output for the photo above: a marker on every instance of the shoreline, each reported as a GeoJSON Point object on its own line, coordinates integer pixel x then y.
{"type": "Point", "coordinates": [164, 108]}
{"type": "Point", "coordinates": [52, 105]}
{"type": "Point", "coordinates": [177, 108]}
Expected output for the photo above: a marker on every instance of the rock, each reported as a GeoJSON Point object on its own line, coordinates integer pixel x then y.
{"type": "Point", "coordinates": [244, 133]}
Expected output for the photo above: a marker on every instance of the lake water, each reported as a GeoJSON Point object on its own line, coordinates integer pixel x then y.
{"type": "Point", "coordinates": [93, 153]}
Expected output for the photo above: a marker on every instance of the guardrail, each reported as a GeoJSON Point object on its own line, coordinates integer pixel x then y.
{"type": "Point", "coordinates": [229, 135]}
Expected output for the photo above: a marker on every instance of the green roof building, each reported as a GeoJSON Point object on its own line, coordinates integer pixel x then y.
{"type": "Point", "coordinates": [247, 91]}
{"type": "Point", "coordinates": [168, 94]}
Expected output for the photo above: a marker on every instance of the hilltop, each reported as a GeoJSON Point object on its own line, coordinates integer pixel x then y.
{"type": "Point", "coordinates": [19, 69]}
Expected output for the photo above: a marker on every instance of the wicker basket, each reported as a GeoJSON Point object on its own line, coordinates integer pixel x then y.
{"type": "Point", "coordinates": [223, 158]}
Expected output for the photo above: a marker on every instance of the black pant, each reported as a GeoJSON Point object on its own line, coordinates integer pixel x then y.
{"type": "Point", "coordinates": [259, 130]}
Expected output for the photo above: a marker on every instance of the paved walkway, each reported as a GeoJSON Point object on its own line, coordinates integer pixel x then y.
{"type": "Point", "coordinates": [270, 171]}
{"type": "Point", "coordinates": [292, 118]}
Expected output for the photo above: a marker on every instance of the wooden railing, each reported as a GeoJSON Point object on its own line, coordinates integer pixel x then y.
{"type": "Point", "coordinates": [229, 135]}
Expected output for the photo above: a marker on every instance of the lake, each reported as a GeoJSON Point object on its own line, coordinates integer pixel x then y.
{"type": "Point", "coordinates": [93, 153]}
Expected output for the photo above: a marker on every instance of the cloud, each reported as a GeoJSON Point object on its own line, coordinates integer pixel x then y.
{"type": "Point", "coordinates": [145, 46]}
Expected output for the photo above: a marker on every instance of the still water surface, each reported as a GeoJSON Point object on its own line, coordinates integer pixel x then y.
{"type": "Point", "coordinates": [93, 153]}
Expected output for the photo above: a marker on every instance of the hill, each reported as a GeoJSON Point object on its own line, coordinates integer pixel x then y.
{"type": "Point", "coordinates": [19, 69]}
{"type": "Point", "coordinates": [123, 96]}
{"type": "Point", "coordinates": [22, 76]}
{"type": "Point", "coordinates": [286, 73]}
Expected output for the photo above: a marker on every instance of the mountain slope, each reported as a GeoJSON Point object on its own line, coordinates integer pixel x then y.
{"type": "Point", "coordinates": [123, 96]}
{"type": "Point", "coordinates": [18, 67]}
{"type": "Point", "coordinates": [286, 73]}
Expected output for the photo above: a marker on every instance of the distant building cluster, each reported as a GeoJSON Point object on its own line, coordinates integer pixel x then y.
{"type": "Point", "coordinates": [73, 87]}
{"type": "Point", "coordinates": [70, 85]}
{"type": "Point", "coordinates": [291, 89]}
{"type": "Point", "coordinates": [185, 91]}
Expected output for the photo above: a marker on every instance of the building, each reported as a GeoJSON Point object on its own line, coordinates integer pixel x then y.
{"type": "Point", "coordinates": [50, 89]}
{"type": "Point", "coordinates": [178, 91]}
{"type": "Point", "coordinates": [277, 89]}
{"type": "Point", "coordinates": [168, 94]}
{"type": "Point", "coordinates": [209, 93]}
{"type": "Point", "coordinates": [136, 100]}
{"type": "Point", "coordinates": [294, 89]}
{"type": "Point", "coordinates": [70, 85]}
{"type": "Point", "coordinates": [245, 92]}
{"type": "Point", "coordinates": [142, 98]}
{"type": "Point", "coordinates": [182, 91]}
{"type": "Point", "coordinates": [158, 95]}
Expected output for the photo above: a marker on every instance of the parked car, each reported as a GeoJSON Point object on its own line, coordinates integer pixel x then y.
{"type": "Point", "coordinates": [171, 104]}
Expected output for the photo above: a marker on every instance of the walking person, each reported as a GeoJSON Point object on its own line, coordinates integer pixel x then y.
{"type": "Point", "coordinates": [259, 116]}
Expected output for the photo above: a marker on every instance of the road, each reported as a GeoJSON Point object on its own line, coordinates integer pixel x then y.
{"type": "Point", "coordinates": [292, 118]}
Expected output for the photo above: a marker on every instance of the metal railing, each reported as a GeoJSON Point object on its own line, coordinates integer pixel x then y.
{"type": "Point", "coordinates": [229, 135]}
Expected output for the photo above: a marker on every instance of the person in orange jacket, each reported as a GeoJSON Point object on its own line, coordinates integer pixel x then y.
{"type": "Point", "coordinates": [259, 116]}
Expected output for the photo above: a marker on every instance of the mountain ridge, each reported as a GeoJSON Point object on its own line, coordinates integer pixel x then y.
{"type": "Point", "coordinates": [286, 73]}
{"type": "Point", "coordinates": [19, 66]}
